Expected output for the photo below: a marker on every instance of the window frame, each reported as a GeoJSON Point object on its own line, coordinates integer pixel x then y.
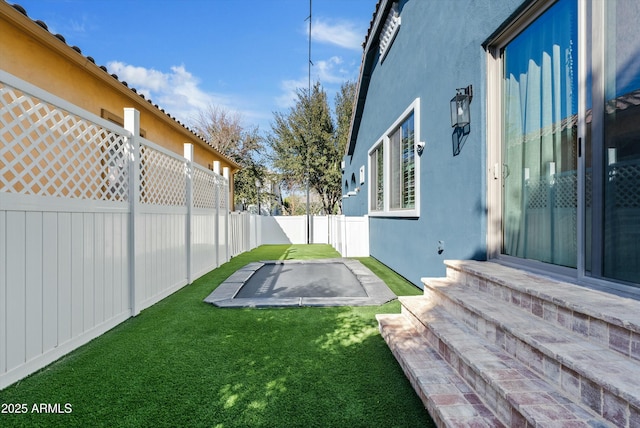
{"type": "Point", "coordinates": [494, 46]}
{"type": "Point", "coordinates": [385, 142]}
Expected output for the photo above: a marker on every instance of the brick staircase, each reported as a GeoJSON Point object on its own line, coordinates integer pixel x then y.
{"type": "Point", "coordinates": [491, 345]}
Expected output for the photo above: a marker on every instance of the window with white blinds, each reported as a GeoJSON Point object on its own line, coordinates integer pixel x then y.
{"type": "Point", "coordinates": [394, 168]}
{"type": "Point", "coordinates": [377, 182]}
{"type": "Point", "coordinates": [403, 165]}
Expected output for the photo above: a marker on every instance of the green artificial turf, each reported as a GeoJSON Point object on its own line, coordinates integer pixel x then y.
{"type": "Point", "coordinates": [184, 363]}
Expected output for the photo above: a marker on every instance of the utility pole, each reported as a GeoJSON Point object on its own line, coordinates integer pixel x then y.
{"type": "Point", "coordinates": [308, 129]}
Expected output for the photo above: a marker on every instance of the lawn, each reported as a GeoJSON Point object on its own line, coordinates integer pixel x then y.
{"type": "Point", "coordinates": [183, 363]}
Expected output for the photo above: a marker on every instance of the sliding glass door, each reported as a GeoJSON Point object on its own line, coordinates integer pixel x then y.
{"type": "Point", "coordinates": [539, 139]}
{"type": "Point", "coordinates": [550, 212]}
{"type": "Point", "coordinates": [612, 173]}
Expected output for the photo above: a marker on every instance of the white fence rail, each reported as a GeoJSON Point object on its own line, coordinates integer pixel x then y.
{"type": "Point", "coordinates": [96, 224]}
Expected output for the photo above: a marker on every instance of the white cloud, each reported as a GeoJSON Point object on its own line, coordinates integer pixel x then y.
{"type": "Point", "coordinates": [74, 29]}
{"type": "Point", "coordinates": [145, 78]}
{"type": "Point", "coordinates": [329, 71]}
{"type": "Point", "coordinates": [177, 91]}
{"type": "Point", "coordinates": [79, 26]}
{"type": "Point", "coordinates": [185, 90]}
{"type": "Point", "coordinates": [340, 33]}
{"type": "Point", "coordinates": [289, 92]}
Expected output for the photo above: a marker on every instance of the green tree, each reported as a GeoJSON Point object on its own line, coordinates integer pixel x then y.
{"type": "Point", "coordinates": [295, 204]}
{"type": "Point", "coordinates": [344, 110]}
{"type": "Point", "coordinates": [244, 145]}
{"type": "Point", "coordinates": [307, 145]}
{"type": "Point", "coordinates": [344, 103]}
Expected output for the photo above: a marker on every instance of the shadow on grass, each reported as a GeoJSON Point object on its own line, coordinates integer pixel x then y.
{"type": "Point", "coordinates": [183, 362]}
{"type": "Point", "coordinates": [332, 370]}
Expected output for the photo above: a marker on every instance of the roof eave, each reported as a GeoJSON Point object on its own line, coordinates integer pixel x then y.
{"type": "Point", "coordinates": [368, 57]}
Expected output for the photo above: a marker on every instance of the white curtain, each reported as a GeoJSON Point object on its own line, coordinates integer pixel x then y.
{"type": "Point", "coordinates": [539, 139]}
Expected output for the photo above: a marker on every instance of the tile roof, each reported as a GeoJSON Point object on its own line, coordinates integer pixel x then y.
{"type": "Point", "coordinates": [371, 23]}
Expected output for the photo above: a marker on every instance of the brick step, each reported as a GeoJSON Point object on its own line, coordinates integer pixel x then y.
{"type": "Point", "coordinates": [590, 373]}
{"type": "Point", "coordinates": [448, 398]}
{"type": "Point", "coordinates": [513, 392]}
{"type": "Point", "coordinates": [610, 320]}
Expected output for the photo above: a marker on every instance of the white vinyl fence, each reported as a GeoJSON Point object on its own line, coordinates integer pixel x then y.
{"type": "Point", "coordinates": [96, 224]}
{"type": "Point", "coordinates": [242, 233]}
{"type": "Point", "coordinates": [348, 235]}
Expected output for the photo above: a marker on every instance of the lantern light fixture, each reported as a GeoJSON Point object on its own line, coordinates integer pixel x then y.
{"type": "Point", "coordinates": [460, 114]}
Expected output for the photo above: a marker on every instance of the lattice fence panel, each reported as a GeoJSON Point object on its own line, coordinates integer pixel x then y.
{"type": "Point", "coordinates": [560, 191]}
{"type": "Point", "coordinates": [566, 190]}
{"type": "Point", "coordinates": [538, 193]}
{"type": "Point", "coordinates": [204, 189]}
{"type": "Point", "coordinates": [47, 151]}
{"type": "Point", "coordinates": [223, 195]}
{"type": "Point", "coordinates": [162, 178]}
{"type": "Point", "coordinates": [624, 178]}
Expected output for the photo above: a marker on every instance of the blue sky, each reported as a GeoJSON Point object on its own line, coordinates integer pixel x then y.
{"type": "Point", "coordinates": [247, 56]}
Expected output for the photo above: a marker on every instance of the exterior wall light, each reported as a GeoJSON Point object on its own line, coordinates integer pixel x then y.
{"type": "Point", "coordinates": [460, 115]}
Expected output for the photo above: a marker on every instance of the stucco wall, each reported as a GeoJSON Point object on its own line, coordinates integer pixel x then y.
{"type": "Point", "coordinates": [437, 49]}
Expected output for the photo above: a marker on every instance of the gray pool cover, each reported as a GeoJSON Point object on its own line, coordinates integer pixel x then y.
{"type": "Point", "coordinates": [325, 282]}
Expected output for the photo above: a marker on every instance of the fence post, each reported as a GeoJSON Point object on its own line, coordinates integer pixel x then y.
{"type": "Point", "coordinates": [216, 170]}
{"type": "Point", "coordinates": [343, 232]}
{"type": "Point", "coordinates": [256, 230]}
{"type": "Point", "coordinates": [217, 221]}
{"type": "Point", "coordinates": [188, 155]}
{"type": "Point", "coordinates": [132, 124]}
{"type": "Point", "coordinates": [225, 174]}
{"type": "Point", "coordinates": [247, 231]}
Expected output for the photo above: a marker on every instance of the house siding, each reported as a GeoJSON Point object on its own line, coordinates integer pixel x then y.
{"type": "Point", "coordinates": [436, 50]}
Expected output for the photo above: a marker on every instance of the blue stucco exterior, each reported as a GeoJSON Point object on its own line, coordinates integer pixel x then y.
{"type": "Point", "coordinates": [437, 49]}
